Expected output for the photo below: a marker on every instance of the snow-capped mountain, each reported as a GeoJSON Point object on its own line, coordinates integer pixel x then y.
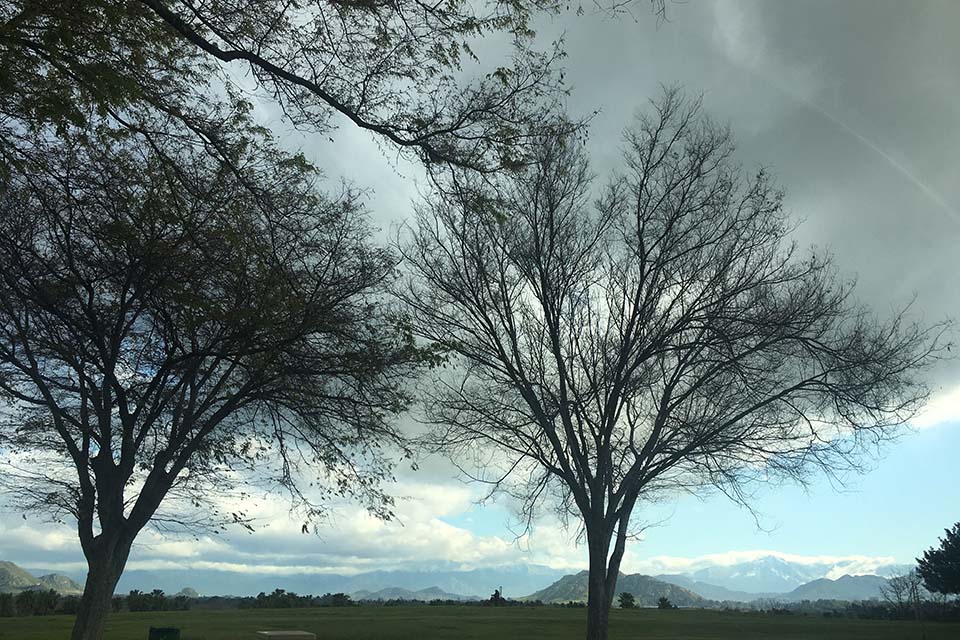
{"type": "Point", "coordinates": [769, 574]}
{"type": "Point", "coordinates": [773, 574]}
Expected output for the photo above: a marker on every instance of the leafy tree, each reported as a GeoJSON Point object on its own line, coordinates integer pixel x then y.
{"type": "Point", "coordinates": [336, 600]}
{"type": "Point", "coordinates": [627, 601]}
{"type": "Point", "coordinates": [393, 68]}
{"type": "Point", "coordinates": [658, 335]}
{"type": "Point", "coordinates": [25, 602]}
{"type": "Point", "coordinates": [940, 566]}
{"type": "Point", "coordinates": [139, 601]}
{"type": "Point", "coordinates": [664, 603]}
{"type": "Point", "coordinates": [69, 605]}
{"type": "Point", "coordinates": [7, 605]}
{"type": "Point", "coordinates": [168, 321]}
{"type": "Point", "coordinates": [161, 73]}
{"type": "Point", "coordinates": [36, 602]}
{"type": "Point", "coordinates": [279, 599]}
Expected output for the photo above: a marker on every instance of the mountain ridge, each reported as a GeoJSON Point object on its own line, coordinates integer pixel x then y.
{"type": "Point", "coordinates": [645, 589]}
{"type": "Point", "coordinates": [774, 576]}
{"type": "Point", "coordinates": [847, 587]}
{"type": "Point", "coordinates": [14, 579]}
{"type": "Point", "coordinates": [712, 591]}
{"type": "Point", "coordinates": [683, 591]}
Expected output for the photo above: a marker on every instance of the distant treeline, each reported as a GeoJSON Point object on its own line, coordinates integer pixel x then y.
{"type": "Point", "coordinates": [937, 610]}
{"type": "Point", "coordinates": [156, 600]}
{"type": "Point", "coordinates": [281, 599]}
{"type": "Point", "coordinates": [36, 602]}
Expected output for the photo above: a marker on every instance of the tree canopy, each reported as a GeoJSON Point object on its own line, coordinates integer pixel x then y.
{"type": "Point", "coordinates": [940, 566]}
{"type": "Point", "coordinates": [658, 334]}
{"type": "Point", "coordinates": [393, 68]}
{"type": "Point", "coordinates": [167, 320]}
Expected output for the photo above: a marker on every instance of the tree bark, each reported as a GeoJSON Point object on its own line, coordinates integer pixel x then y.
{"type": "Point", "coordinates": [105, 562]}
{"type": "Point", "coordinates": [600, 590]}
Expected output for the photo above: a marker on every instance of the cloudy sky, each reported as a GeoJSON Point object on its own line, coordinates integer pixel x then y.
{"type": "Point", "coordinates": [855, 106]}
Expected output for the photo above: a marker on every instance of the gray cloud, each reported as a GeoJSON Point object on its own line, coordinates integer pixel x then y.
{"type": "Point", "coordinates": [854, 105]}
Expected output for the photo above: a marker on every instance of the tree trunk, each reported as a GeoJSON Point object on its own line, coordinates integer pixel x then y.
{"type": "Point", "coordinates": [105, 563]}
{"type": "Point", "coordinates": [600, 590]}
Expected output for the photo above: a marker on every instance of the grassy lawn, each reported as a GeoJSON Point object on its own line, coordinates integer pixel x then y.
{"type": "Point", "coordinates": [476, 623]}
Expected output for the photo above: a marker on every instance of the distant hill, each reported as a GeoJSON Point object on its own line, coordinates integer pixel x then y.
{"type": "Point", "coordinates": [398, 593]}
{"type": "Point", "coordinates": [60, 583]}
{"type": "Point", "coordinates": [13, 579]}
{"type": "Point", "coordinates": [843, 588]}
{"type": "Point", "coordinates": [712, 591]}
{"type": "Point", "coordinates": [645, 589]}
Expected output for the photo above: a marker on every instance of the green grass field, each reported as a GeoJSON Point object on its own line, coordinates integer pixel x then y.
{"type": "Point", "coordinates": [476, 623]}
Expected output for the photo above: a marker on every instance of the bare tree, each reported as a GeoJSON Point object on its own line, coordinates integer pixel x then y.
{"type": "Point", "coordinates": [903, 593]}
{"type": "Point", "coordinates": [168, 322]}
{"type": "Point", "coordinates": [896, 592]}
{"type": "Point", "coordinates": [664, 336]}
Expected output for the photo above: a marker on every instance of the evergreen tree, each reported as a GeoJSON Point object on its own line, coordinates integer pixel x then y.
{"type": "Point", "coordinates": [940, 567]}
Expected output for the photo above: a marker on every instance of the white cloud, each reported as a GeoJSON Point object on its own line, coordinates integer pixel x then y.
{"type": "Point", "coordinates": [41, 538]}
{"type": "Point", "coordinates": [356, 542]}
{"type": "Point", "coordinates": [549, 544]}
{"type": "Point", "coordinates": [943, 408]}
{"type": "Point", "coordinates": [426, 533]}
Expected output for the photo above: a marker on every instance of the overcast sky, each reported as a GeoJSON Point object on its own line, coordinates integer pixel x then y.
{"type": "Point", "coordinates": [855, 107]}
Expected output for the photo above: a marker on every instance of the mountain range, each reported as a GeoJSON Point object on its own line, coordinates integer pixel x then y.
{"type": "Point", "coordinates": [767, 577]}
{"type": "Point", "coordinates": [767, 574]}
{"type": "Point", "coordinates": [515, 581]}
{"type": "Point", "coordinates": [691, 593]}
{"type": "Point", "coordinates": [13, 579]}
{"type": "Point", "coordinates": [775, 575]}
